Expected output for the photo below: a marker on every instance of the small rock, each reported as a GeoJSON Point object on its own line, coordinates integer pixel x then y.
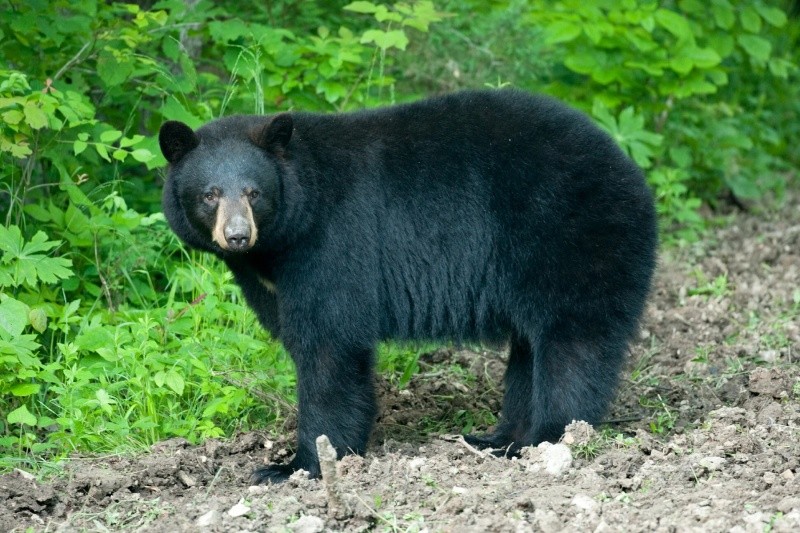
{"type": "Point", "coordinates": [307, 524]}
{"type": "Point", "coordinates": [712, 463]}
{"type": "Point", "coordinates": [547, 520]}
{"type": "Point", "coordinates": [459, 490]}
{"type": "Point", "coordinates": [584, 502]}
{"type": "Point", "coordinates": [416, 463]}
{"type": "Point", "coordinates": [258, 489]}
{"type": "Point", "coordinates": [187, 480]}
{"type": "Point", "coordinates": [770, 356]}
{"type": "Point", "coordinates": [239, 509]}
{"type": "Point", "coordinates": [299, 475]}
{"type": "Point", "coordinates": [208, 519]}
{"type": "Point", "coordinates": [578, 432]}
{"type": "Point", "coordinates": [788, 475]}
{"type": "Point", "coordinates": [602, 527]}
{"type": "Point", "coordinates": [556, 458]}
{"type": "Point", "coordinates": [788, 504]}
{"type": "Point", "coordinates": [769, 478]}
{"type": "Point", "coordinates": [25, 475]}
{"type": "Point", "coordinates": [767, 381]}
{"type": "Point", "coordinates": [770, 414]}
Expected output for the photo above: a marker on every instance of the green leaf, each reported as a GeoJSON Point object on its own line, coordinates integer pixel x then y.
{"type": "Point", "coordinates": [562, 31]}
{"type": "Point", "coordinates": [143, 155]}
{"type": "Point", "coordinates": [585, 61]}
{"type": "Point", "coordinates": [20, 149]}
{"type": "Point", "coordinates": [52, 269]}
{"type": "Point", "coordinates": [756, 47]}
{"type": "Point", "coordinates": [781, 67]}
{"type": "Point", "coordinates": [773, 15]}
{"type": "Point", "coordinates": [682, 156]}
{"type": "Point", "coordinates": [723, 12]}
{"type": "Point", "coordinates": [11, 241]}
{"type": "Point", "coordinates": [13, 116]}
{"type": "Point", "coordinates": [127, 142]}
{"type": "Point", "coordinates": [174, 381]}
{"type": "Point", "coordinates": [751, 21]}
{"type": "Point", "coordinates": [38, 319]}
{"type": "Point", "coordinates": [361, 7]}
{"type": "Point", "coordinates": [113, 71]}
{"type": "Point", "coordinates": [38, 243]}
{"type": "Point", "coordinates": [109, 136]}
{"type": "Point", "coordinates": [34, 116]}
{"type": "Point", "coordinates": [674, 23]}
{"type": "Point", "coordinates": [228, 30]}
{"type": "Point", "coordinates": [704, 57]}
{"type": "Point", "coordinates": [21, 416]}
{"type": "Point", "coordinates": [102, 151]}
{"type": "Point", "coordinates": [79, 146]}
{"type": "Point", "coordinates": [383, 14]}
{"type": "Point", "coordinates": [25, 389]}
{"type": "Point", "coordinates": [94, 338]}
{"type": "Point", "coordinates": [104, 401]}
{"type": "Point", "coordinates": [120, 154]}
{"type": "Point", "coordinates": [333, 91]}
{"type": "Point", "coordinates": [38, 213]}
{"type": "Point", "coordinates": [13, 317]}
{"type": "Point", "coordinates": [386, 39]}
{"type": "Point", "coordinates": [681, 65]}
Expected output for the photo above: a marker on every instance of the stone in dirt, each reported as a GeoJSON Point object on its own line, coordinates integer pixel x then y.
{"type": "Point", "coordinates": [307, 524]}
{"type": "Point", "coordinates": [240, 509]}
{"type": "Point", "coordinates": [211, 517]}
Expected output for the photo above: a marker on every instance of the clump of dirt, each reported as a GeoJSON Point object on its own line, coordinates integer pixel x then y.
{"type": "Point", "coordinates": [704, 435]}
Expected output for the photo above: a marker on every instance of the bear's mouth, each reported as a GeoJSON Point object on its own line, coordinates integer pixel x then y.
{"type": "Point", "coordinates": [235, 229]}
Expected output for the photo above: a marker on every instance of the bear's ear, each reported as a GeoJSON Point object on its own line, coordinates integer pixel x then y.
{"type": "Point", "coordinates": [176, 140]}
{"type": "Point", "coordinates": [276, 134]}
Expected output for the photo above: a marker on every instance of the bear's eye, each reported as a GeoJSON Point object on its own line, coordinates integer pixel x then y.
{"type": "Point", "coordinates": [209, 197]}
{"type": "Point", "coordinates": [253, 195]}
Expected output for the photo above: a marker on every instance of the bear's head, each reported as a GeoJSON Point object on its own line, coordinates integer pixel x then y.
{"type": "Point", "coordinates": [224, 181]}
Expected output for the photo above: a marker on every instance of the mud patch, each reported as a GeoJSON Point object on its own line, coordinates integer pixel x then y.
{"type": "Point", "coordinates": [704, 435]}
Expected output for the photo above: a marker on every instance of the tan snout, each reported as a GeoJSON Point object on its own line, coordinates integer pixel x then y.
{"type": "Point", "coordinates": [235, 228]}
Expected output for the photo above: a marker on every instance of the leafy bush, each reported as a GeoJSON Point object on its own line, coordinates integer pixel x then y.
{"type": "Point", "coordinates": [110, 331]}
{"type": "Point", "coordinates": [703, 95]}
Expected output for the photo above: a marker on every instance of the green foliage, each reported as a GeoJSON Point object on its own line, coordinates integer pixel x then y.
{"type": "Point", "coordinates": [78, 377]}
{"type": "Point", "coordinates": [703, 95]}
{"type": "Point", "coordinates": [112, 334]}
{"type": "Point", "coordinates": [694, 71]}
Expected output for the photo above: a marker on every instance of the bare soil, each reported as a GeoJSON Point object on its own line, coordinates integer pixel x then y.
{"type": "Point", "coordinates": [704, 435]}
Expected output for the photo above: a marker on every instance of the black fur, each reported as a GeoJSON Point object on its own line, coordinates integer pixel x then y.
{"type": "Point", "coordinates": [486, 215]}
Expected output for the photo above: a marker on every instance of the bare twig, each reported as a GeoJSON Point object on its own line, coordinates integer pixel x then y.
{"type": "Point", "coordinates": [468, 446]}
{"type": "Point", "coordinates": [182, 311]}
{"type": "Point", "coordinates": [73, 60]}
{"type": "Point", "coordinates": [327, 464]}
{"type": "Point", "coordinates": [103, 282]}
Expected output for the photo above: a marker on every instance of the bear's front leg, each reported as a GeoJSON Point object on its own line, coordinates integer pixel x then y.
{"type": "Point", "coordinates": [336, 397]}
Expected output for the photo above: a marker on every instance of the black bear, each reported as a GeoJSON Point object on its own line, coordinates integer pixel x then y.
{"type": "Point", "coordinates": [480, 215]}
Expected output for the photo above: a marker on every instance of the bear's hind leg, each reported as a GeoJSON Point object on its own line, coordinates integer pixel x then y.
{"type": "Point", "coordinates": [515, 419]}
{"type": "Point", "coordinates": [575, 372]}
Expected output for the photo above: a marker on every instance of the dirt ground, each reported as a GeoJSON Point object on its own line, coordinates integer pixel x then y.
{"type": "Point", "coordinates": [704, 435]}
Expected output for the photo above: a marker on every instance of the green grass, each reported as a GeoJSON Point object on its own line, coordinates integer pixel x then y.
{"type": "Point", "coordinates": [602, 441]}
{"type": "Point", "coordinates": [192, 363]}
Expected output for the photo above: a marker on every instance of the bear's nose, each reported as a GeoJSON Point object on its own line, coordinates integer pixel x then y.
{"type": "Point", "coordinates": [238, 241]}
{"type": "Point", "coordinates": [237, 234]}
